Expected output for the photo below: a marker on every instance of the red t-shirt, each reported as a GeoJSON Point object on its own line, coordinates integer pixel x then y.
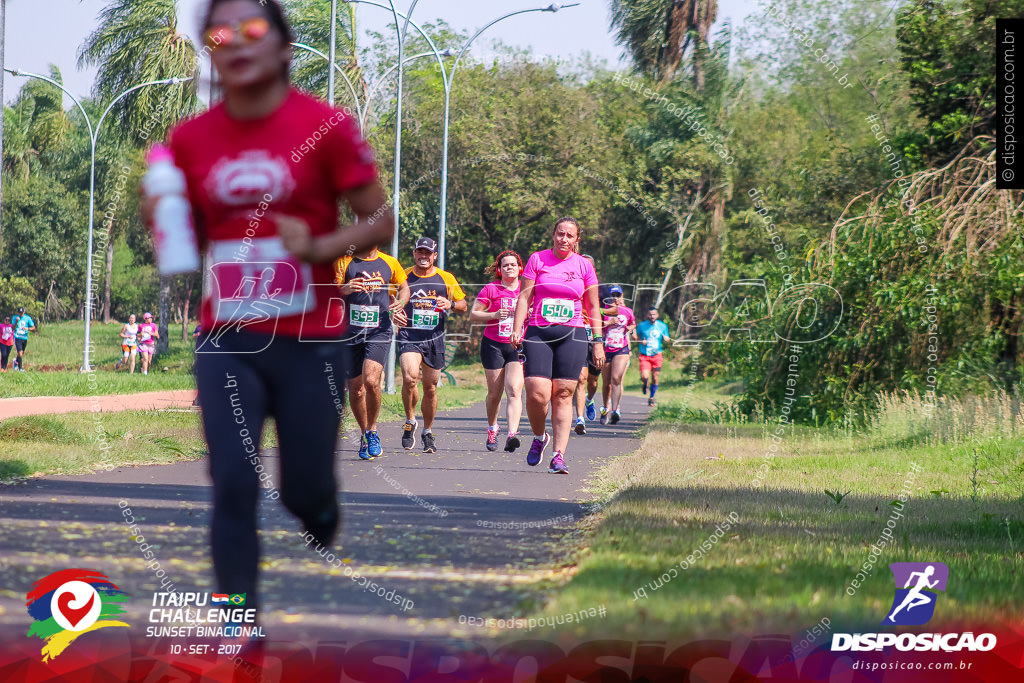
{"type": "Point", "coordinates": [297, 161]}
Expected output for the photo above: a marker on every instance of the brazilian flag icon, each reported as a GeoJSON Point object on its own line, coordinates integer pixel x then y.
{"type": "Point", "coordinates": [237, 598]}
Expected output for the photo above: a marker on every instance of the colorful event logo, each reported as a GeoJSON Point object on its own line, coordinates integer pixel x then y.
{"type": "Point", "coordinates": [71, 602]}
{"type": "Point", "coordinates": [914, 605]}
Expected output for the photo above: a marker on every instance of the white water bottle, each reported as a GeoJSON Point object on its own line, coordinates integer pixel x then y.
{"type": "Point", "coordinates": [174, 237]}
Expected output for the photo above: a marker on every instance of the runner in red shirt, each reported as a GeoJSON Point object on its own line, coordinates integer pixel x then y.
{"type": "Point", "coordinates": [266, 169]}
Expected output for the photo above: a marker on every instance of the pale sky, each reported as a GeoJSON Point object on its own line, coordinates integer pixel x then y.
{"type": "Point", "coordinates": [40, 32]}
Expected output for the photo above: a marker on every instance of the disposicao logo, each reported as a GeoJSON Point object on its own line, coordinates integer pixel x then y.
{"type": "Point", "coordinates": [913, 604]}
{"type": "Point", "coordinates": [71, 602]}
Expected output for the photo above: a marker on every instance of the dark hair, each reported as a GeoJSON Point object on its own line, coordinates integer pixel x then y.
{"type": "Point", "coordinates": [274, 14]}
{"type": "Point", "coordinates": [497, 262]}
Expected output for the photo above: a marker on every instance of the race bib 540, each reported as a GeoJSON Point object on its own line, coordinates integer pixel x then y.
{"type": "Point", "coordinates": [557, 310]}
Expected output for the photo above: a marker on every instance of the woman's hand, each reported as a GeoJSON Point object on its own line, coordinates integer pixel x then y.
{"type": "Point", "coordinates": [598, 355]}
{"type": "Point", "coordinates": [295, 235]}
{"type": "Point", "coordinates": [516, 339]}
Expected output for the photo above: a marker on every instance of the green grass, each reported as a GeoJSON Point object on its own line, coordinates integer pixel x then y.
{"type": "Point", "coordinates": [67, 443]}
{"type": "Point", "coordinates": [54, 357]}
{"type": "Point", "coordinates": [794, 550]}
{"type": "Point", "coordinates": [70, 443]}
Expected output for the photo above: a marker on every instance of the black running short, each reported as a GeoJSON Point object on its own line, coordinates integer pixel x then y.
{"type": "Point", "coordinates": [432, 351]}
{"type": "Point", "coordinates": [20, 344]}
{"type": "Point", "coordinates": [373, 348]}
{"type": "Point", "coordinates": [624, 351]}
{"type": "Point", "coordinates": [555, 351]}
{"type": "Point", "coordinates": [496, 355]}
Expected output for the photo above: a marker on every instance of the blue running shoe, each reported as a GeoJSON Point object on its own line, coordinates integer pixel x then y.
{"type": "Point", "coordinates": [591, 410]}
{"type": "Point", "coordinates": [373, 447]}
{"type": "Point", "coordinates": [537, 449]}
{"type": "Point", "coordinates": [363, 455]}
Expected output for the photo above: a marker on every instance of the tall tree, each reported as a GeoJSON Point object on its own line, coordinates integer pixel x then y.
{"type": "Point", "coordinates": [35, 123]}
{"type": "Point", "coordinates": [138, 41]}
{"type": "Point", "coordinates": [311, 21]}
{"type": "Point", "coordinates": [658, 34]}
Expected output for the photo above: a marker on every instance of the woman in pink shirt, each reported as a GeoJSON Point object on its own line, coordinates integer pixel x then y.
{"type": "Point", "coordinates": [6, 342]}
{"type": "Point", "coordinates": [494, 307]}
{"type": "Point", "coordinates": [557, 283]}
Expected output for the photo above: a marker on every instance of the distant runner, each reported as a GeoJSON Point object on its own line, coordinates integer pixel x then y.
{"type": "Point", "coordinates": [586, 389]}
{"type": "Point", "coordinates": [6, 342]}
{"type": "Point", "coordinates": [651, 333]}
{"type": "Point", "coordinates": [23, 324]}
{"type": "Point", "coordinates": [435, 292]}
{"type": "Point", "coordinates": [375, 289]}
{"type": "Point", "coordinates": [129, 344]}
{"type": "Point", "coordinates": [495, 306]}
{"type": "Point", "coordinates": [148, 334]}
{"type": "Point", "coordinates": [618, 329]}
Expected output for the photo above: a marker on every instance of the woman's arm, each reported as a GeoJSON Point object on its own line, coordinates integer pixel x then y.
{"type": "Point", "coordinates": [374, 225]}
{"type": "Point", "coordinates": [593, 308]}
{"type": "Point", "coordinates": [480, 314]}
{"type": "Point", "coordinates": [523, 304]}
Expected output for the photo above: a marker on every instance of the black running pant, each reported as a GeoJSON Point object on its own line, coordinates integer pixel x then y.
{"type": "Point", "coordinates": [248, 378]}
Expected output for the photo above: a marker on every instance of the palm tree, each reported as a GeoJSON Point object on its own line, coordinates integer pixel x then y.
{"type": "Point", "coordinates": [658, 33]}
{"type": "Point", "coordinates": [138, 41]}
{"type": "Point", "coordinates": [36, 122]}
{"type": "Point", "coordinates": [311, 21]}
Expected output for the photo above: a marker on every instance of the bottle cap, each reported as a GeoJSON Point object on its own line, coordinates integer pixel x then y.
{"type": "Point", "coordinates": [159, 153]}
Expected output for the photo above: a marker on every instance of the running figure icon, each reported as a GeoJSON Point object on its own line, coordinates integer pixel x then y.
{"type": "Point", "coordinates": [915, 598]}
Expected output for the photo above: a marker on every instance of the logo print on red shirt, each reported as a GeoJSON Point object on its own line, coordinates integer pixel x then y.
{"type": "Point", "coordinates": [247, 178]}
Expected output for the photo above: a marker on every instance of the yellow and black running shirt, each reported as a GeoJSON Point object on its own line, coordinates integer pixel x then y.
{"type": "Point", "coordinates": [367, 312]}
{"type": "Point", "coordinates": [425, 322]}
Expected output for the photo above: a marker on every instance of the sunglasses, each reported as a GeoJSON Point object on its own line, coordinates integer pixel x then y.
{"type": "Point", "coordinates": [244, 31]}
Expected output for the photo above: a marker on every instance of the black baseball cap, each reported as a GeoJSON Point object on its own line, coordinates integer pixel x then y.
{"type": "Point", "coordinates": [21, 309]}
{"type": "Point", "coordinates": [425, 243]}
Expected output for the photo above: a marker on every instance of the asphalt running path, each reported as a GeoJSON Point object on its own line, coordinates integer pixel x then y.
{"type": "Point", "coordinates": [484, 530]}
{"type": "Point", "coordinates": [48, 405]}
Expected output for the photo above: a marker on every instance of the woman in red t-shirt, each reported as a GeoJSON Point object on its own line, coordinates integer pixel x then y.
{"type": "Point", "coordinates": [266, 169]}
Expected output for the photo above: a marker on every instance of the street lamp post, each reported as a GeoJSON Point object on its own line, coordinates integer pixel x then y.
{"type": "Point", "coordinates": [333, 51]}
{"type": "Point", "coordinates": [330, 84]}
{"type": "Point", "coordinates": [93, 136]}
{"type": "Point", "coordinates": [389, 376]}
{"type": "Point", "coordinates": [442, 222]}
{"type": "Point", "coordinates": [376, 86]}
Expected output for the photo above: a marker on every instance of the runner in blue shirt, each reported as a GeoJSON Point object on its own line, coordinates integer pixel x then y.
{"type": "Point", "coordinates": [23, 324]}
{"type": "Point", "coordinates": [651, 332]}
